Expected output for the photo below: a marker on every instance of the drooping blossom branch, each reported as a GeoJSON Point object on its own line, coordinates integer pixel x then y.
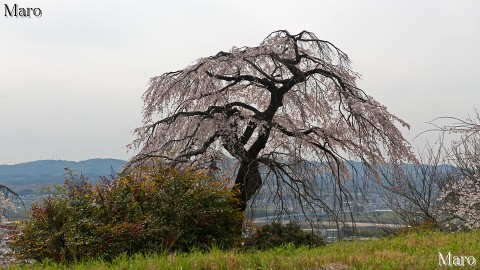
{"type": "Point", "coordinates": [279, 110]}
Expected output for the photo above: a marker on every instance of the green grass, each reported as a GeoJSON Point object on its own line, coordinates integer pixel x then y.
{"type": "Point", "coordinates": [412, 251]}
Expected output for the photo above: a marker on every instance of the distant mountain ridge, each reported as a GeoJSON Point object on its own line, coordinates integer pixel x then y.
{"type": "Point", "coordinates": [46, 172]}
{"type": "Point", "coordinates": [37, 174]}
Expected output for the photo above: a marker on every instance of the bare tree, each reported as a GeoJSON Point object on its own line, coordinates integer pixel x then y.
{"type": "Point", "coordinates": [285, 111]}
{"type": "Point", "coordinates": [412, 192]}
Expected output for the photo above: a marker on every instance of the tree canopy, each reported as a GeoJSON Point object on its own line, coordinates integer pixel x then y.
{"type": "Point", "coordinates": [284, 111]}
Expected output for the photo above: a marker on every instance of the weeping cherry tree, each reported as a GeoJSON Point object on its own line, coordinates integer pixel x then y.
{"type": "Point", "coordinates": [285, 112]}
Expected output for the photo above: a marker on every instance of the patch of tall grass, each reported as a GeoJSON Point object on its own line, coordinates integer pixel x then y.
{"type": "Point", "coordinates": [415, 250]}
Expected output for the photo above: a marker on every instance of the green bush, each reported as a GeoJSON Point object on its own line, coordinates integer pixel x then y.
{"type": "Point", "coordinates": [144, 211]}
{"type": "Point", "coordinates": [276, 234]}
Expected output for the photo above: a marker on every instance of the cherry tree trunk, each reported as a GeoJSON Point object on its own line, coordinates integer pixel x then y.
{"type": "Point", "coordinates": [248, 181]}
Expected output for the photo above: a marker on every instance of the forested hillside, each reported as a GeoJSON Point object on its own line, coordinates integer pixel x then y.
{"type": "Point", "coordinates": [36, 174]}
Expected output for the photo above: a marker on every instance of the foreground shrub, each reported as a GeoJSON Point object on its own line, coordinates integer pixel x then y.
{"type": "Point", "coordinates": [147, 210]}
{"type": "Point", "coordinates": [276, 234]}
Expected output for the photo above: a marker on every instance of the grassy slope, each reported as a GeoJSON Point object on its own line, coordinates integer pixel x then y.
{"type": "Point", "coordinates": [412, 251]}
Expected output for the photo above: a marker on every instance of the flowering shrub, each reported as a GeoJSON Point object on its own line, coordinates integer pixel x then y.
{"type": "Point", "coordinates": [146, 210]}
{"type": "Point", "coordinates": [462, 196]}
{"type": "Point", "coordinates": [5, 203]}
{"type": "Point", "coordinates": [462, 199]}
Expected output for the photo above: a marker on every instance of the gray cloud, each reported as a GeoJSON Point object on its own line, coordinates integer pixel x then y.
{"type": "Point", "coordinates": [74, 77]}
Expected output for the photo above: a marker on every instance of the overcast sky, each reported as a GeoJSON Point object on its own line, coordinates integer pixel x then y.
{"type": "Point", "coordinates": [71, 81]}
